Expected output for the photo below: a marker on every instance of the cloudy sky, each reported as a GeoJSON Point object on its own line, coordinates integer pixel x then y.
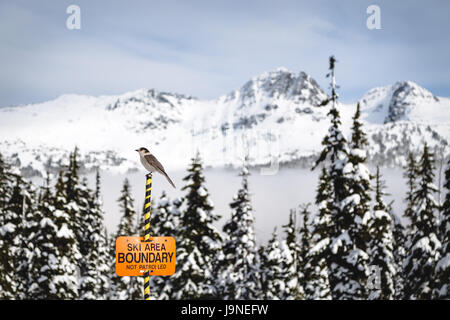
{"type": "Point", "coordinates": [207, 48]}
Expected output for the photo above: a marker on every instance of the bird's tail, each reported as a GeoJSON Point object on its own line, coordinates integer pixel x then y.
{"type": "Point", "coordinates": [168, 179]}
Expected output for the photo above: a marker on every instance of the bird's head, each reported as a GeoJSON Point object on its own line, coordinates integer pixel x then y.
{"type": "Point", "coordinates": [142, 150]}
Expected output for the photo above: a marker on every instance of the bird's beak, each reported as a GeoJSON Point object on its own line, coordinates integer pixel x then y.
{"type": "Point", "coordinates": [136, 150]}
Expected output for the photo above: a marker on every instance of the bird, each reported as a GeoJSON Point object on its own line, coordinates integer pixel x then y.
{"type": "Point", "coordinates": [152, 164]}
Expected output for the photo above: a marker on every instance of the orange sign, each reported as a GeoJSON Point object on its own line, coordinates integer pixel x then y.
{"type": "Point", "coordinates": [134, 256]}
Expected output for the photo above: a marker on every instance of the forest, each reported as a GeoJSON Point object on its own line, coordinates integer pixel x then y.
{"type": "Point", "coordinates": [350, 245]}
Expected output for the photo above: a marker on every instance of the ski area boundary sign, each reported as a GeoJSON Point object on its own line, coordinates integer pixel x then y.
{"type": "Point", "coordinates": [134, 256]}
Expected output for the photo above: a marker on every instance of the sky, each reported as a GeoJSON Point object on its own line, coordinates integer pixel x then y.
{"type": "Point", "coordinates": [208, 48]}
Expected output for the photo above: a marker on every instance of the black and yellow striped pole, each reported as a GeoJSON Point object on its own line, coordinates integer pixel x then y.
{"type": "Point", "coordinates": [147, 209]}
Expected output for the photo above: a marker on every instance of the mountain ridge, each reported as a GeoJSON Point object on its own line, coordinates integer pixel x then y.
{"type": "Point", "coordinates": [275, 114]}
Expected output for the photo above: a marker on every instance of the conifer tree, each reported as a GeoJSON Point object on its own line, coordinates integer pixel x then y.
{"type": "Point", "coordinates": [307, 272]}
{"type": "Point", "coordinates": [359, 182]}
{"type": "Point", "coordinates": [5, 179]}
{"type": "Point", "coordinates": [381, 245]}
{"type": "Point", "coordinates": [104, 275]}
{"type": "Point", "coordinates": [95, 265]}
{"type": "Point", "coordinates": [162, 287]}
{"type": "Point", "coordinates": [7, 286]}
{"type": "Point", "coordinates": [442, 270]}
{"type": "Point", "coordinates": [292, 260]}
{"type": "Point", "coordinates": [424, 246]}
{"type": "Point", "coordinates": [322, 229]}
{"type": "Point", "coordinates": [87, 225]}
{"type": "Point", "coordinates": [43, 239]}
{"type": "Point", "coordinates": [348, 266]}
{"type": "Point", "coordinates": [272, 278]}
{"type": "Point", "coordinates": [411, 173]}
{"type": "Point", "coordinates": [64, 282]}
{"type": "Point", "coordinates": [199, 242]}
{"type": "Point", "coordinates": [356, 207]}
{"type": "Point", "coordinates": [12, 231]}
{"type": "Point", "coordinates": [238, 270]}
{"type": "Point", "coordinates": [71, 181]}
{"type": "Point", "coordinates": [399, 256]}
{"type": "Point", "coordinates": [17, 220]}
{"type": "Point", "coordinates": [53, 268]}
{"type": "Point", "coordinates": [97, 194]}
{"type": "Point", "coordinates": [165, 222]}
{"type": "Point", "coordinates": [30, 225]}
{"type": "Point", "coordinates": [102, 249]}
{"type": "Point", "coordinates": [125, 288]}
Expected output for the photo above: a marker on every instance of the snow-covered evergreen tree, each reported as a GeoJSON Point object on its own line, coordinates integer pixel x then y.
{"type": "Point", "coordinates": [272, 278]}
{"type": "Point", "coordinates": [348, 270]}
{"type": "Point", "coordinates": [17, 220]}
{"type": "Point", "coordinates": [381, 245]}
{"type": "Point", "coordinates": [319, 256]}
{"type": "Point", "coordinates": [12, 230]}
{"type": "Point", "coordinates": [87, 235]}
{"type": "Point", "coordinates": [356, 207]}
{"type": "Point", "coordinates": [423, 245]}
{"type": "Point", "coordinates": [102, 249]}
{"type": "Point", "coordinates": [94, 266]}
{"type": "Point", "coordinates": [103, 270]}
{"type": "Point", "coordinates": [411, 174]}
{"type": "Point", "coordinates": [30, 225]}
{"type": "Point", "coordinates": [399, 255]}
{"type": "Point", "coordinates": [292, 260]}
{"type": "Point", "coordinates": [166, 289]}
{"type": "Point", "coordinates": [442, 270]}
{"type": "Point", "coordinates": [7, 286]}
{"type": "Point", "coordinates": [64, 281]}
{"type": "Point", "coordinates": [359, 176]}
{"type": "Point", "coordinates": [44, 252]}
{"type": "Point", "coordinates": [199, 242]}
{"type": "Point", "coordinates": [125, 288]}
{"type": "Point", "coordinates": [165, 223]}
{"type": "Point", "coordinates": [306, 267]}
{"type": "Point", "coordinates": [53, 270]}
{"type": "Point", "coordinates": [87, 219]}
{"type": "Point", "coordinates": [238, 276]}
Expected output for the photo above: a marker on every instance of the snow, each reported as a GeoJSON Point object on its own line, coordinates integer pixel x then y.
{"type": "Point", "coordinates": [444, 263]}
{"type": "Point", "coordinates": [282, 121]}
{"type": "Point", "coordinates": [202, 214]}
{"type": "Point", "coordinates": [352, 199]}
{"type": "Point", "coordinates": [7, 228]}
{"type": "Point", "coordinates": [202, 192]}
{"type": "Point", "coordinates": [348, 168]}
{"type": "Point", "coordinates": [47, 222]}
{"type": "Point", "coordinates": [319, 246]}
{"type": "Point", "coordinates": [379, 214]}
{"type": "Point", "coordinates": [64, 232]}
{"type": "Point", "coordinates": [359, 153]}
{"type": "Point", "coordinates": [342, 240]}
{"type": "Point", "coordinates": [429, 244]}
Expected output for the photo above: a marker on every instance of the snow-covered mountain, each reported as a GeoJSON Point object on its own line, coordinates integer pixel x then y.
{"type": "Point", "coordinates": [397, 102]}
{"type": "Point", "coordinates": [272, 116]}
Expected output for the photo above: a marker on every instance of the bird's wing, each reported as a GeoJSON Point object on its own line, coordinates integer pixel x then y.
{"type": "Point", "coordinates": [158, 166]}
{"type": "Point", "coordinates": [151, 159]}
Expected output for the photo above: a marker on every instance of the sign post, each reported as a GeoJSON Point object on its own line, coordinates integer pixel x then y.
{"type": "Point", "coordinates": [137, 256]}
{"type": "Point", "coordinates": [147, 204]}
